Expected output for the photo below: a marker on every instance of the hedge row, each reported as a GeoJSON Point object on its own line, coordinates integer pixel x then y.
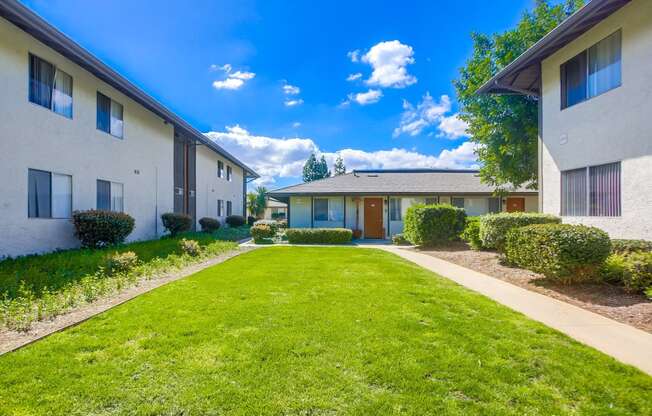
{"type": "Point", "coordinates": [319, 235]}
{"type": "Point", "coordinates": [493, 228]}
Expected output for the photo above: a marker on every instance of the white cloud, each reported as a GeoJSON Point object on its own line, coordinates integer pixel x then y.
{"type": "Point", "coordinates": [291, 89]}
{"type": "Point", "coordinates": [354, 77]}
{"type": "Point", "coordinates": [429, 113]}
{"type": "Point", "coordinates": [280, 157]}
{"type": "Point", "coordinates": [365, 98]}
{"type": "Point", "coordinates": [296, 124]}
{"type": "Point", "coordinates": [389, 61]}
{"type": "Point", "coordinates": [293, 103]}
{"type": "Point", "coordinates": [354, 56]}
{"type": "Point", "coordinates": [234, 80]}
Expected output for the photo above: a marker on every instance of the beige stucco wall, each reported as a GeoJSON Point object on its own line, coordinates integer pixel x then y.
{"type": "Point", "coordinates": [614, 126]}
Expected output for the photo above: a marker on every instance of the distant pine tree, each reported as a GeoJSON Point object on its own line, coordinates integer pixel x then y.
{"type": "Point", "coordinates": [315, 169]}
{"type": "Point", "coordinates": [339, 167]}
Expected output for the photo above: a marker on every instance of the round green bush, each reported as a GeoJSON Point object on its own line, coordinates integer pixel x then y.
{"type": "Point", "coordinates": [96, 228]}
{"type": "Point", "coordinates": [562, 252]}
{"type": "Point", "coordinates": [494, 227]}
{"type": "Point", "coordinates": [633, 270]}
{"type": "Point", "coordinates": [121, 262]}
{"type": "Point", "coordinates": [209, 225]}
{"type": "Point", "coordinates": [236, 220]}
{"type": "Point", "coordinates": [319, 235]}
{"type": "Point", "coordinates": [429, 225]}
{"type": "Point", "coordinates": [471, 233]}
{"type": "Point", "coordinates": [261, 232]}
{"type": "Point", "coordinates": [176, 223]}
{"type": "Point", "coordinates": [190, 247]}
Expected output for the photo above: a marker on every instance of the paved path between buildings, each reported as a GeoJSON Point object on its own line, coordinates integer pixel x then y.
{"type": "Point", "coordinates": [623, 342]}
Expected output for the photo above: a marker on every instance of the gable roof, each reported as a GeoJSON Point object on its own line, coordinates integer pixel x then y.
{"type": "Point", "coordinates": [395, 182]}
{"type": "Point", "coordinates": [523, 75]}
{"type": "Point", "coordinates": [30, 22]}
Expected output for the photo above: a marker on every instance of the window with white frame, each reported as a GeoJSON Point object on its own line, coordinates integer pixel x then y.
{"type": "Point", "coordinates": [110, 116]}
{"type": "Point", "coordinates": [110, 196]}
{"type": "Point", "coordinates": [592, 72]}
{"type": "Point", "coordinates": [220, 169]}
{"type": "Point", "coordinates": [593, 191]}
{"type": "Point", "coordinates": [220, 208]}
{"type": "Point", "coordinates": [328, 209]}
{"type": "Point", "coordinates": [49, 195]}
{"type": "Point", "coordinates": [229, 208]}
{"type": "Point", "coordinates": [395, 209]}
{"type": "Point", "coordinates": [49, 86]}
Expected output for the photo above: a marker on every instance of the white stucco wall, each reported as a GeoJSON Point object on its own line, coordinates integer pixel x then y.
{"type": "Point", "coordinates": [210, 188]}
{"type": "Point", "coordinates": [614, 126]}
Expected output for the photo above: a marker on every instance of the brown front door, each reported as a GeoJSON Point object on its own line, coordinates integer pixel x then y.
{"type": "Point", "coordinates": [515, 204]}
{"type": "Point", "coordinates": [373, 218]}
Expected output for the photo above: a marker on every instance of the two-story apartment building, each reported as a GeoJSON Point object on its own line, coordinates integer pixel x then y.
{"type": "Point", "coordinates": [593, 79]}
{"type": "Point", "coordinates": [76, 135]}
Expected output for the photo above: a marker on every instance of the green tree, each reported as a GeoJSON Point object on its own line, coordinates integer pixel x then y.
{"type": "Point", "coordinates": [252, 204]}
{"type": "Point", "coordinates": [315, 169]}
{"type": "Point", "coordinates": [261, 201]}
{"type": "Point", "coordinates": [339, 167]}
{"type": "Point", "coordinates": [505, 127]}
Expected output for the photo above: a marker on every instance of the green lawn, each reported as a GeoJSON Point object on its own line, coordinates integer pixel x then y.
{"type": "Point", "coordinates": [313, 331]}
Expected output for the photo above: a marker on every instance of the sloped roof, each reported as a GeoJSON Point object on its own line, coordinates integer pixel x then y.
{"type": "Point", "coordinates": [30, 22]}
{"type": "Point", "coordinates": [523, 75]}
{"type": "Point", "coordinates": [395, 182]}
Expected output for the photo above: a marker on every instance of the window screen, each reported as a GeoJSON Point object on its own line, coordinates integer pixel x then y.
{"type": "Point", "coordinates": [49, 86]}
{"type": "Point", "coordinates": [604, 188]}
{"type": "Point", "coordinates": [573, 192]}
{"type": "Point", "coordinates": [321, 209]}
{"type": "Point", "coordinates": [395, 209]}
{"type": "Point", "coordinates": [39, 194]}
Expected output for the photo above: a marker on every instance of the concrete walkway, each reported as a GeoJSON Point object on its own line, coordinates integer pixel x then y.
{"type": "Point", "coordinates": [623, 342]}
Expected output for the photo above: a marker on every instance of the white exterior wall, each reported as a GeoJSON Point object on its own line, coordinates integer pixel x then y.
{"type": "Point", "coordinates": [210, 188]}
{"type": "Point", "coordinates": [614, 126]}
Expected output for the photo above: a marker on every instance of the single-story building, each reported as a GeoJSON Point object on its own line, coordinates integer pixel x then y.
{"type": "Point", "coordinates": [275, 210]}
{"type": "Point", "coordinates": [375, 201]}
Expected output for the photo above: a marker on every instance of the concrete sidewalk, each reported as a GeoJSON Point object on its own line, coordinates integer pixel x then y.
{"type": "Point", "coordinates": [623, 342]}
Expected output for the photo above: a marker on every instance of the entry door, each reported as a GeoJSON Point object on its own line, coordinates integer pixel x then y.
{"type": "Point", "coordinates": [373, 218]}
{"type": "Point", "coordinates": [184, 172]}
{"type": "Point", "coordinates": [515, 204]}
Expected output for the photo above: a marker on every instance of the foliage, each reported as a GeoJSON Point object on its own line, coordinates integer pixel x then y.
{"type": "Point", "coordinates": [261, 201]}
{"type": "Point", "coordinates": [630, 246]}
{"type": "Point", "coordinates": [251, 220]}
{"type": "Point", "coordinates": [252, 205]}
{"type": "Point", "coordinates": [121, 262]}
{"type": "Point", "coordinates": [209, 225]}
{"type": "Point", "coordinates": [319, 235]}
{"type": "Point", "coordinates": [338, 166]}
{"type": "Point", "coordinates": [190, 247]}
{"type": "Point", "coordinates": [632, 270]}
{"type": "Point", "coordinates": [505, 127]}
{"type": "Point", "coordinates": [262, 232]}
{"type": "Point", "coordinates": [430, 225]}
{"type": "Point", "coordinates": [235, 220]}
{"type": "Point", "coordinates": [176, 223]}
{"type": "Point", "coordinates": [471, 233]}
{"type": "Point", "coordinates": [314, 170]}
{"type": "Point", "coordinates": [232, 233]}
{"type": "Point", "coordinates": [273, 224]}
{"type": "Point", "coordinates": [96, 228]}
{"type": "Point", "coordinates": [562, 252]}
{"type": "Point", "coordinates": [399, 240]}
{"type": "Point", "coordinates": [494, 227]}
{"type": "Point", "coordinates": [355, 331]}
{"type": "Point", "coordinates": [39, 287]}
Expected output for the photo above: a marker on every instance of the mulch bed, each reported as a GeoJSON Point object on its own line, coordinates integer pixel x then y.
{"type": "Point", "coordinates": [605, 299]}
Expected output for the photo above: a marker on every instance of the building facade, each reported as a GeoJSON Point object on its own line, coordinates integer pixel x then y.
{"type": "Point", "coordinates": [78, 136]}
{"type": "Point", "coordinates": [592, 76]}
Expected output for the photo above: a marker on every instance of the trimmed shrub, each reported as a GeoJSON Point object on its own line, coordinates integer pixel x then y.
{"type": "Point", "coordinates": [274, 225]}
{"type": "Point", "coordinates": [471, 233]}
{"type": "Point", "coordinates": [630, 246]}
{"type": "Point", "coordinates": [494, 227]}
{"type": "Point", "coordinates": [562, 252]}
{"type": "Point", "coordinates": [209, 225]}
{"type": "Point", "coordinates": [251, 220]}
{"type": "Point", "coordinates": [399, 240]}
{"type": "Point", "coordinates": [96, 228]}
{"type": "Point", "coordinates": [190, 247]}
{"type": "Point", "coordinates": [176, 223]}
{"type": "Point", "coordinates": [235, 220]}
{"type": "Point", "coordinates": [428, 225]}
{"type": "Point", "coordinates": [319, 235]}
{"type": "Point", "coordinates": [262, 232]}
{"type": "Point", "coordinates": [633, 271]}
{"type": "Point", "coordinates": [121, 262]}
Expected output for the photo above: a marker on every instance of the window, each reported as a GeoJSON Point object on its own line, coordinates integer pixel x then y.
{"type": "Point", "coordinates": [592, 72]}
{"type": "Point", "coordinates": [321, 209]}
{"type": "Point", "coordinates": [229, 173]}
{"type": "Point", "coordinates": [110, 196]}
{"type": "Point", "coordinates": [494, 205]}
{"type": "Point", "coordinates": [593, 191]}
{"type": "Point", "coordinates": [109, 116]}
{"type": "Point", "coordinates": [395, 209]}
{"type": "Point", "coordinates": [229, 208]}
{"type": "Point", "coordinates": [220, 169]}
{"type": "Point", "coordinates": [49, 195]}
{"type": "Point", "coordinates": [220, 208]}
{"type": "Point", "coordinates": [457, 202]}
{"type": "Point", "coordinates": [49, 86]}
{"type": "Point", "coordinates": [432, 200]}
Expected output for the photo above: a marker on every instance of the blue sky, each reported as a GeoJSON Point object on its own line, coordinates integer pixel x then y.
{"type": "Point", "coordinates": [268, 79]}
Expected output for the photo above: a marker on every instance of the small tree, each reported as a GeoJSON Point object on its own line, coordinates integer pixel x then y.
{"type": "Point", "coordinates": [315, 169]}
{"type": "Point", "coordinates": [261, 201]}
{"type": "Point", "coordinates": [252, 203]}
{"type": "Point", "coordinates": [339, 167]}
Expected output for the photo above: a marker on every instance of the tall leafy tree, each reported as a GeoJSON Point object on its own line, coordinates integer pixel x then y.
{"type": "Point", "coordinates": [338, 166]}
{"type": "Point", "coordinates": [315, 169]}
{"type": "Point", "coordinates": [261, 201]}
{"type": "Point", "coordinates": [505, 126]}
{"type": "Point", "coordinates": [252, 204]}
